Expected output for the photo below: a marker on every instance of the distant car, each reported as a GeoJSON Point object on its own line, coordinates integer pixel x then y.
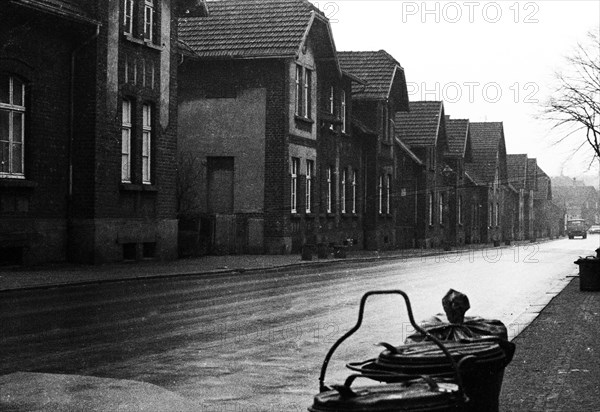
{"type": "Point", "coordinates": [594, 229]}
{"type": "Point", "coordinates": [576, 227]}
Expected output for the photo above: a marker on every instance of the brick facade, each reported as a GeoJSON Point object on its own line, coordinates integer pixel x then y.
{"type": "Point", "coordinates": [71, 205]}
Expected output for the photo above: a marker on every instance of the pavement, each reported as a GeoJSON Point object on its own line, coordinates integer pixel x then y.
{"type": "Point", "coordinates": [556, 366]}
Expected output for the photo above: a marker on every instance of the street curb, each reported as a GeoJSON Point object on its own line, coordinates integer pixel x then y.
{"type": "Point", "coordinates": [242, 271]}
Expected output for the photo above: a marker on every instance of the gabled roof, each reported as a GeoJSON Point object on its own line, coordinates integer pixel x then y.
{"type": "Point", "coordinates": [532, 174]}
{"type": "Point", "coordinates": [244, 29]}
{"type": "Point", "coordinates": [457, 131]}
{"type": "Point", "coordinates": [420, 126]}
{"type": "Point", "coordinates": [379, 70]}
{"type": "Point", "coordinates": [487, 143]}
{"type": "Point", "coordinates": [544, 188]}
{"type": "Point", "coordinates": [517, 170]}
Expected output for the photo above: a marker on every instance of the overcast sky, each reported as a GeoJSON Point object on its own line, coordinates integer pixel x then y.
{"type": "Point", "coordinates": [488, 61]}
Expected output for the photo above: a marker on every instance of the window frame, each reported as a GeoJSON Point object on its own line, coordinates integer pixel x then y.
{"type": "Point", "coordinates": [343, 109]}
{"type": "Point", "coordinates": [329, 190]}
{"type": "Point", "coordinates": [308, 187]}
{"type": "Point", "coordinates": [126, 130]}
{"type": "Point", "coordinates": [430, 208]}
{"type": "Point", "coordinates": [380, 191]}
{"type": "Point", "coordinates": [149, 20]}
{"type": "Point", "coordinates": [14, 109]}
{"type": "Point", "coordinates": [388, 194]}
{"type": "Point", "coordinates": [441, 208]}
{"type": "Point", "coordinates": [147, 140]}
{"type": "Point", "coordinates": [343, 190]}
{"type": "Point", "coordinates": [354, 173]}
{"type": "Point", "coordinates": [294, 169]}
{"type": "Point", "coordinates": [128, 6]}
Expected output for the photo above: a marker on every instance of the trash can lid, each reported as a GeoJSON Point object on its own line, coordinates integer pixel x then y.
{"type": "Point", "coordinates": [414, 395]}
{"type": "Point", "coordinates": [429, 354]}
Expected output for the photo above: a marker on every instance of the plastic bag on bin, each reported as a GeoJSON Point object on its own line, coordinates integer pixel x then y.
{"type": "Point", "coordinates": [454, 326]}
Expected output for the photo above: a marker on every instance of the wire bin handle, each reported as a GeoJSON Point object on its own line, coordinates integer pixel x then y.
{"type": "Point", "coordinates": [363, 300]}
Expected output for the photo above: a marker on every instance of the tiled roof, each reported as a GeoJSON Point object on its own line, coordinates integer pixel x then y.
{"type": "Point", "coordinates": [249, 28]}
{"type": "Point", "coordinates": [543, 191]}
{"type": "Point", "coordinates": [375, 68]}
{"type": "Point", "coordinates": [419, 127]}
{"type": "Point", "coordinates": [485, 144]}
{"type": "Point", "coordinates": [456, 130]}
{"type": "Point", "coordinates": [517, 170]}
{"type": "Point", "coordinates": [531, 174]}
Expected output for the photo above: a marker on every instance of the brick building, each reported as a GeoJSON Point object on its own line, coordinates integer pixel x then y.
{"type": "Point", "coordinates": [423, 129]}
{"type": "Point", "coordinates": [464, 197]}
{"type": "Point", "coordinates": [391, 168]}
{"type": "Point", "coordinates": [517, 177]}
{"type": "Point", "coordinates": [265, 127]}
{"type": "Point", "coordinates": [489, 172]}
{"type": "Point", "coordinates": [88, 111]}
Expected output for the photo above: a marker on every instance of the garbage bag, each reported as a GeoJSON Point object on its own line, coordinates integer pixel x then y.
{"type": "Point", "coordinates": [454, 326]}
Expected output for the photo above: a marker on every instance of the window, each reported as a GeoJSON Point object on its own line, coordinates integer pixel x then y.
{"type": "Point", "coordinates": [128, 16]}
{"type": "Point", "coordinates": [294, 185]}
{"type": "Point", "coordinates": [460, 209]}
{"type": "Point", "coordinates": [343, 191]}
{"type": "Point", "coordinates": [329, 191]}
{"type": "Point", "coordinates": [126, 143]}
{"type": "Point", "coordinates": [388, 196]}
{"type": "Point", "coordinates": [497, 215]}
{"type": "Point", "coordinates": [140, 12]}
{"type": "Point", "coordinates": [309, 175]}
{"type": "Point", "coordinates": [430, 211]}
{"type": "Point", "coordinates": [331, 105]}
{"type": "Point", "coordinates": [12, 126]}
{"type": "Point", "coordinates": [146, 143]}
{"type": "Point", "coordinates": [380, 190]}
{"type": "Point", "coordinates": [354, 191]}
{"type": "Point", "coordinates": [441, 208]}
{"type": "Point", "coordinates": [490, 214]}
{"type": "Point", "coordinates": [343, 114]}
{"type": "Point", "coordinates": [303, 91]}
{"type": "Point", "coordinates": [149, 17]}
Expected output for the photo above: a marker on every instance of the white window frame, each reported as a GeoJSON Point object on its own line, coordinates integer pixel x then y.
{"type": "Point", "coordinates": [343, 110]}
{"type": "Point", "coordinates": [309, 175]}
{"type": "Point", "coordinates": [430, 209]}
{"type": "Point", "coordinates": [307, 86]}
{"type": "Point", "coordinates": [380, 190]}
{"type": "Point", "coordinates": [388, 194]}
{"type": "Point", "coordinates": [329, 190]}
{"type": "Point", "coordinates": [343, 190]}
{"type": "Point", "coordinates": [295, 165]}
{"type": "Point", "coordinates": [354, 191]}
{"type": "Point", "coordinates": [14, 109]}
{"type": "Point", "coordinates": [298, 90]}
{"type": "Point", "coordinates": [126, 133]}
{"type": "Point", "coordinates": [331, 104]}
{"type": "Point", "coordinates": [441, 207]}
{"type": "Point", "coordinates": [147, 144]}
{"type": "Point", "coordinates": [149, 16]}
{"type": "Point", "coordinates": [128, 17]}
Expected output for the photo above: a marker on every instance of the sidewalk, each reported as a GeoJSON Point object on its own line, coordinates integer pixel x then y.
{"type": "Point", "coordinates": [73, 274]}
{"type": "Point", "coordinates": [557, 361]}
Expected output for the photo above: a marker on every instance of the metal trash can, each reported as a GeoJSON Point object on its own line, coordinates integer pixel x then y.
{"type": "Point", "coordinates": [422, 395]}
{"type": "Point", "coordinates": [482, 372]}
{"type": "Point", "coordinates": [589, 272]}
{"type": "Point", "coordinates": [407, 392]}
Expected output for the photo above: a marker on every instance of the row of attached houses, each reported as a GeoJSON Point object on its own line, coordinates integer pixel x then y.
{"type": "Point", "coordinates": [146, 129]}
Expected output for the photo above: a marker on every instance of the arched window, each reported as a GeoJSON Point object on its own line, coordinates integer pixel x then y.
{"type": "Point", "coordinates": [12, 126]}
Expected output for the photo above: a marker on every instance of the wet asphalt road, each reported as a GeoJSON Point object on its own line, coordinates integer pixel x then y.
{"type": "Point", "coordinates": [256, 341]}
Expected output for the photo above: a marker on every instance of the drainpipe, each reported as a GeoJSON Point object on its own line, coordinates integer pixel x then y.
{"type": "Point", "coordinates": [72, 128]}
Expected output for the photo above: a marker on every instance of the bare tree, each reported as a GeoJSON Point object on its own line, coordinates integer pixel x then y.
{"type": "Point", "coordinates": [575, 103]}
